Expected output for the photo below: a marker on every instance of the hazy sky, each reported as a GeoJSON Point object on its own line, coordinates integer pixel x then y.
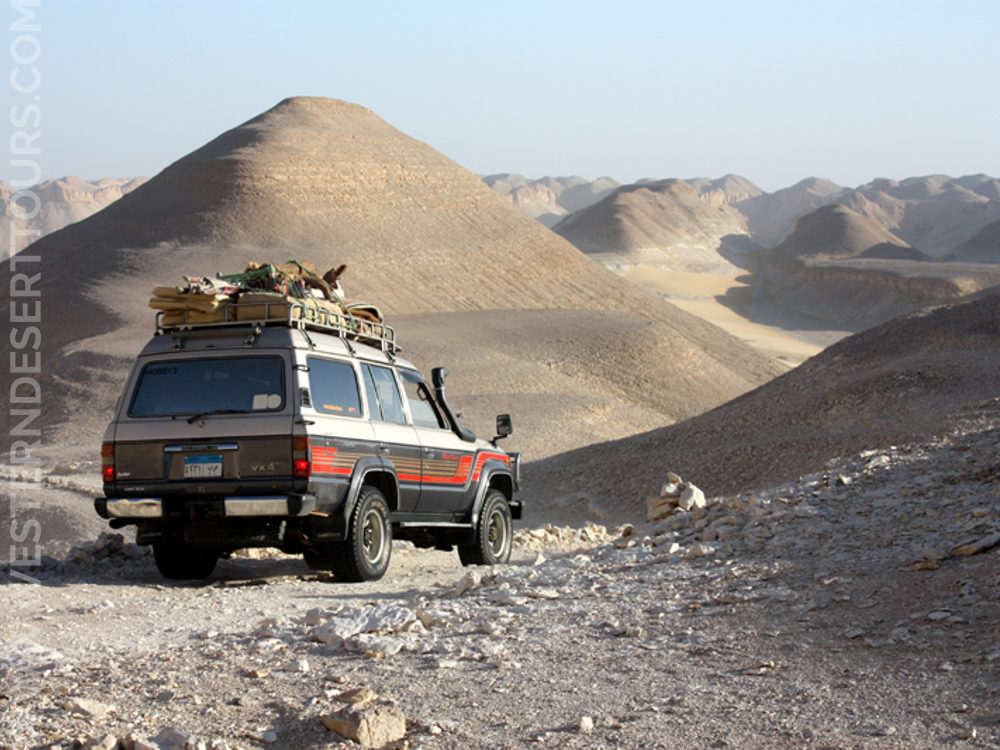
{"type": "Point", "coordinates": [775, 91]}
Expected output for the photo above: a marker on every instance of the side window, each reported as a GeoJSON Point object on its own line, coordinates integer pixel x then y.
{"type": "Point", "coordinates": [334, 387]}
{"type": "Point", "coordinates": [372, 397]}
{"type": "Point", "coordinates": [422, 407]}
{"type": "Point", "coordinates": [388, 394]}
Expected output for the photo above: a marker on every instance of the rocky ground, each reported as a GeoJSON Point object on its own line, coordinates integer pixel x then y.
{"type": "Point", "coordinates": [853, 608]}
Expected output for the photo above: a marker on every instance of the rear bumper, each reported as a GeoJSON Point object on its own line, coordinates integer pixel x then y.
{"type": "Point", "coordinates": [143, 508]}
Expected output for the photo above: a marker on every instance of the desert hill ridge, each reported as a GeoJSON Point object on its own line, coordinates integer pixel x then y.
{"type": "Point", "coordinates": [933, 213]}
{"type": "Point", "coordinates": [330, 181]}
{"type": "Point", "coordinates": [897, 382]}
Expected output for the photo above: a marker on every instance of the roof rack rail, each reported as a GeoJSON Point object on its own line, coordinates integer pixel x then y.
{"type": "Point", "coordinates": [289, 313]}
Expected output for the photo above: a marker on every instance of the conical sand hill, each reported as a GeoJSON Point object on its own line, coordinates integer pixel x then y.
{"type": "Point", "coordinates": [330, 181]}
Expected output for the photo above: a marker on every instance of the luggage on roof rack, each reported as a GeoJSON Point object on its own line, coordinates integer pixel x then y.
{"type": "Point", "coordinates": [292, 294]}
{"type": "Point", "coordinates": [274, 309]}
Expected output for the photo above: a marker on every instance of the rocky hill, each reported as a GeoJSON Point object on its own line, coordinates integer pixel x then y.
{"type": "Point", "coordinates": [898, 382]}
{"type": "Point", "coordinates": [330, 181]}
{"type": "Point", "coordinates": [62, 202]}
{"type": "Point", "coordinates": [665, 224]}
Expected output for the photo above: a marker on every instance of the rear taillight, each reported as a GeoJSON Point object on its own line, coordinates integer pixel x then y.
{"type": "Point", "coordinates": [108, 462]}
{"type": "Point", "coordinates": [301, 466]}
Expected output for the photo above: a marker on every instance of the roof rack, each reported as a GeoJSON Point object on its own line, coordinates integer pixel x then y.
{"type": "Point", "coordinates": [288, 313]}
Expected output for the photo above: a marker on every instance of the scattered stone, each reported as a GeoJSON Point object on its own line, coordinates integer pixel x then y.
{"type": "Point", "coordinates": [370, 725]}
{"type": "Point", "coordinates": [171, 738]}
{"type": "Point", "coordinates": [675, 496]}
{"type": "Point", "coordinates": [87, 707]}
{"type": "Point", "coordinates": [296, 665]}
{"type": "Point", "coordinates": [585, 725]}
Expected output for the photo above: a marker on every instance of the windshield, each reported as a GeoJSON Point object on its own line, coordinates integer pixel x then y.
{"type": "Point", "coordinates": [206, 386]}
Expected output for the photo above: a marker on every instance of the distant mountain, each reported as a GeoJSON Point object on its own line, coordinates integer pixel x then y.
{"type": "Point", "coordinates": [665, 224]}
{"type": "Point", "coordinates": [844, 268]}
{"type": "Point", "coordinates": [548, 199]}
{"type": "Point", "coordinates": [771, 217]}
{"type": "Point", "coordinates": [63, 202]}
{"type": "Point", "coordinates": [836, 232]}
{"type": "Point", "coordinates": [934, 213]}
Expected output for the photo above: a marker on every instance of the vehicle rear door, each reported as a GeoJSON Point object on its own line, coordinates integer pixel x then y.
{"type": "Point", "coordinates": [206, 425]}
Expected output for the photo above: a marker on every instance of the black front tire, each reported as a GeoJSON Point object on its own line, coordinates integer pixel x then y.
{"type": "Point", "coordinates": [364, 555]}
{"type": "Point", "coordinates": [182, 562]}
{"type": "Point", "coordinates": [494, 533]}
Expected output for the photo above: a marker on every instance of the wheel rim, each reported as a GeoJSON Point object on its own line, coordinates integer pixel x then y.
{"type": "Point", "coordinates": [496, 535]}
{"type": "Point", "coordinates": [373, 537]}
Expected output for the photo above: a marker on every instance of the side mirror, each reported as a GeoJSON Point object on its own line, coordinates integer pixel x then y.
{"type": "Point", "coordinates": [504, 427]}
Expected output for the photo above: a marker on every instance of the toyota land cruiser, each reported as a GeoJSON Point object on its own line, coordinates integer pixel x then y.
{"type": "Point", "coordinates": [297, 436]}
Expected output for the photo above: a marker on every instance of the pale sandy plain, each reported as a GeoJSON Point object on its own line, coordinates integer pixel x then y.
{"type": "Point", "coordinates": [700, 295]}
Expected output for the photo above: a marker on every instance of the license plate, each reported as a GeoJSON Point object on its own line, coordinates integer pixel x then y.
{"type": "Point", "coordinates": [202, 467]}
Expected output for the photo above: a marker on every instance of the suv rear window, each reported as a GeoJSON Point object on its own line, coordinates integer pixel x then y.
{"type": "Point", "coordinates": [204, 386]}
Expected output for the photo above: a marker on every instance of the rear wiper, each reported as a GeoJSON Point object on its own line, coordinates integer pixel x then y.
{"type": "Point", "coordinates": [195, 417]}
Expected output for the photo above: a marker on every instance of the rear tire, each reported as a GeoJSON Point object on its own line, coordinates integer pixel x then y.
{"type": "Point", "coordinates": [183, 562]}
{"type": "Point", "coordinates": [364, 555]}
{"type": "Point", "coordinates": [494, 533]}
